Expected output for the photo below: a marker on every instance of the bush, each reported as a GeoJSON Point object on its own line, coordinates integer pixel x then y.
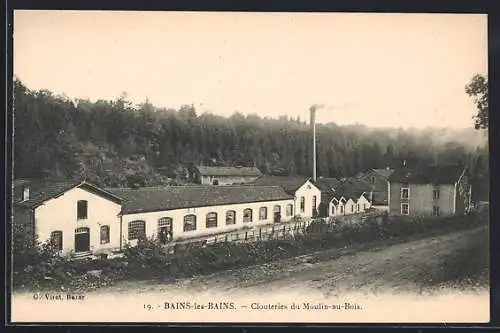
{"type": "Point", "coordinates": [35, 264]}
{"type": "Point", "coordinates": [146, 257]}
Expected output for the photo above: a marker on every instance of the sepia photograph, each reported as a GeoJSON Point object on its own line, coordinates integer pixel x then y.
{"type": "Point", "coordinates": [249, 167]}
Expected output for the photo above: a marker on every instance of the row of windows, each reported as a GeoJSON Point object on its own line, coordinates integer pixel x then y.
{"type": "Point", "coordinates": [405, 210]}
{"type": "Point", "coordinates": [303, 203]}
{"type": "Point", "coordinates": [405, 193]}
{"type": "Point", "coordinates": [138, 227]}
{"type": "Point", "coordinates": [56, 237]}
{"type": "Point", "coordinates": [82, 208]}
{"type": "Point", "coordinates": [82, 211]}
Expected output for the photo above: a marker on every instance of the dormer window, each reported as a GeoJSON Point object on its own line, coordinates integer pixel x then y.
{"type": "Point", "coordinates": [26, 193]}
{"type": "Point", "coordinates": [82, 209]}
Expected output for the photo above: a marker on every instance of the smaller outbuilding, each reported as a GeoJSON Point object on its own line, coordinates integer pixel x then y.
{"type": "Point", "coordinates": [224, 175]}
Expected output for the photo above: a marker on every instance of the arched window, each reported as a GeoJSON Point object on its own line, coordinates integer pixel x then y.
{"type": "Point", "coordinates": [56, 238]}
{"type": "Point", "coordinates": [289, 210]}
{"type": "Point", "coordinates": [247, 215]}
{"type": "Point", "coordinates": [211, 220]}
{"type": "Point", "coordinates": [189, 222]}
{"type": "Point", "coordinates": [104, 234]}
{"type": "Point", "coordinates": [263, 213]}
{"type": "Point", "coordinates": [230, 217]}
{"type": "Point", "coordinates": [81, 209]}
{"type": "Point", "coordinates": [333, 209]}
{"type": "Point", "coordinates": [165, 222]}
{"type": "Point", "coordinates": [136, 229]}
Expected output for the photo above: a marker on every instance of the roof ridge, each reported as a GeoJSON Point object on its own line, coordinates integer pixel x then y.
{"type": "Point", "coordinates": [191, 186]}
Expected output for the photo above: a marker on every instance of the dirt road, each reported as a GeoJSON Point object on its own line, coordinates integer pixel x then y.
{"type": "Point", "coordinates": [458, 259]}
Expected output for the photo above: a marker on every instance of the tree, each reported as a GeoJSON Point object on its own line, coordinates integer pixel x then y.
{"type": "Point", "coordinates": [478, 90]}
{"type": "Point", "coordinates": [115, 143]}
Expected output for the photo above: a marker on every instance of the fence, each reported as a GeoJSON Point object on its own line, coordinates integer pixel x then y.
{"type": "Point", "coordinates": [265, 232]}
{"type": "Point", "coordinates": [282, 230]}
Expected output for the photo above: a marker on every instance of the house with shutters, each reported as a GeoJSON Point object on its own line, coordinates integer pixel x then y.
{"type": "Point", "coordinates": [438, 190]}
{"type": "Point", "coordinates": [222, 175]}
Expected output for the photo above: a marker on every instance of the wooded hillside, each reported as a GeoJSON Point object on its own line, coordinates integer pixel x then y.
{"type": "Point", "coordinates": [115, 143]}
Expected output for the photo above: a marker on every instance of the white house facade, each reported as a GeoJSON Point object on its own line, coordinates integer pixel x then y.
{"type": "Point", "coordinates": [78, 218]}
{"type": "Point", "coordinates": [307, 199]}
{"type": "Point", "coordinates": [88, 222]}
{"type": "Point", "coordinates": [307, 196]}
{"type": "Point", "coordinates": [342, 206]}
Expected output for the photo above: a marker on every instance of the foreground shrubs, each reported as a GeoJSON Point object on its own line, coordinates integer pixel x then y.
{"type": "Point", "coordinates": [151, 260]}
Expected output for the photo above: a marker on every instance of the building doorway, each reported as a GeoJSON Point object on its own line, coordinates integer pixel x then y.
{"type": "Point", "coordinates": [82, 239]}
{"type": "Point", "coordinates": [165, 229]}
{"type": "Point", "coordinates": [277, 213]}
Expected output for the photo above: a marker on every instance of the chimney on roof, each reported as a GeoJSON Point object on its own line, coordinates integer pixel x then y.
{"type": "Point", "coordinates": [26, 193]}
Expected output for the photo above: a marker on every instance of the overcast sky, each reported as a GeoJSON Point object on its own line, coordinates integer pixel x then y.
{"type": "Point", "coordinates": [374, 69]}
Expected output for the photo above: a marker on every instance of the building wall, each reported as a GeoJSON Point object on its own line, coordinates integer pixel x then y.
{"type": "Point", "coordinates": [339, 209]}
{"type": "Point", "coordinates": [308, 191]}
{"type": "Point", "coordinates": [350, 207]}
{"type": "Point", "coordinates": [177, 216]}
{"type": "Point", "coordinates": [61, 214]}
{"type": "Point", "coordinates": [364, 205]}
{"type": "Point", "coordinates": [384, 208]}
{"type": "Point", "coordinates": [325, 196]}
{"type": "Point", "coordinates": [378, 188]}
{"type": "Point", "coordinates": [227, 180]}
{"type": "Point", "coordinates": [421, 200]}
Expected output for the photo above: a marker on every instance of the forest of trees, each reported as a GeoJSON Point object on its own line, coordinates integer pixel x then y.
{"type": "Point", "coordinates": [114, 143]}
